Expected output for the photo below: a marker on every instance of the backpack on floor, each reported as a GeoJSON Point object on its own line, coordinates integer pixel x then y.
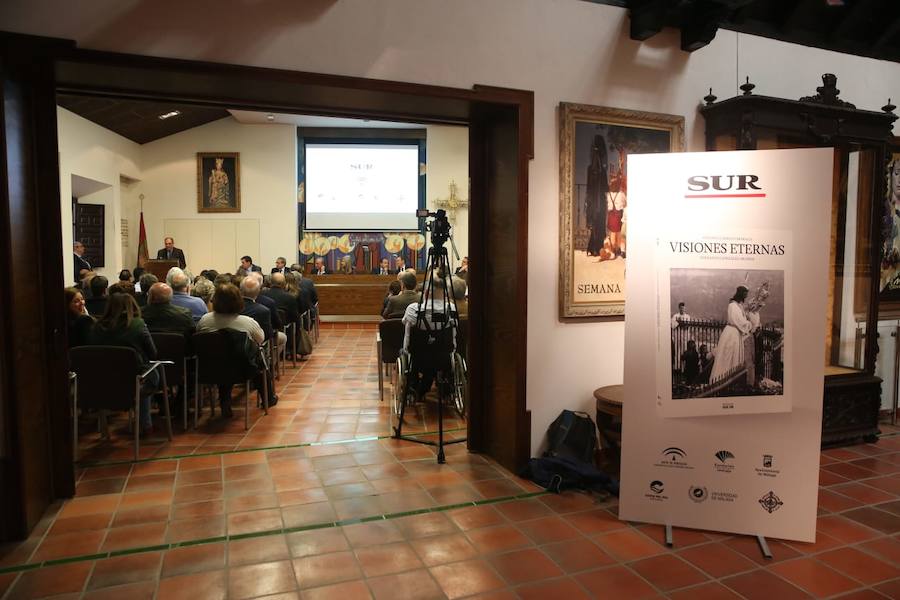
{"type": "Point", "coordinates": [558, 473]}
{"type": "Point", "coordinates": [572, 435]}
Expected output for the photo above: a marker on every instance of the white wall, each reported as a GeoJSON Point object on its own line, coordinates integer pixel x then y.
{"type": "Point", "coordinates": [448, 160]}
{"type": "Point", "coordinates": [90, 151]}
{"type": "Point", "coordinates": [563, 50]}
{"type": "Point", "coordinates": [268, 180]}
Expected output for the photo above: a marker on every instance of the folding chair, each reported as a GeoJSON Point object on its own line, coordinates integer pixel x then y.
{"type": "Point", "coordinates": [290, 330]}
{"type": "Point", "coordinates": [388, 340]}
{"type": "Point", "coordinates": [173, 347]}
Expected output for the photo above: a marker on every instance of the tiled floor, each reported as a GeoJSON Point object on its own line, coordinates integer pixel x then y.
{"type": "Point", "coordinates": [378, 518]}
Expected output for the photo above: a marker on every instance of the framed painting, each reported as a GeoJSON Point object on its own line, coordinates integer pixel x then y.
{"type": "Point", "coordinates": [218, 182]}
{"type": "Point", "coordinates": [594, 144]}
{"type": "Point", "coordinates": [889, 286]}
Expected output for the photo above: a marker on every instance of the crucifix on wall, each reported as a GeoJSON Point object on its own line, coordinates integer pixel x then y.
{"type": "Point", "coordinates": [453, 202]}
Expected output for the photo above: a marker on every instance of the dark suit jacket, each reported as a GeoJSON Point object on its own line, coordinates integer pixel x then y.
{"type": "Point", "coordinates": [260, 314]}
{"type": "Point", "coordinates": [377, 271]}
{"type": "Point", "coordinates": [177, 254]}
{"type": "Point", "coordinates": [284, 270]}
{"type": "Point", "coordinates": [169, 318]}
{"type": "Point", "coordinates": [273, 310]}
{"type": "Point", "coordinates": [396, 305]}
{"type": "Point", "coordinates": [80, 264]}
{"type": "Point", "coordinates": [96, 306]}
{"type": "Point", "coordinates": [285, 301]}
{"type": "Point", "coordinates": [307, 285]}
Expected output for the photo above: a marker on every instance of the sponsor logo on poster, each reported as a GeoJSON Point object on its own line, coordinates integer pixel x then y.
{"type": "Point", "coordinates": [767, 469]}
{"type": "Point", "coordinates": [674, 458]}
{"type": "Point", "coordinates": [716, 496]}
{"type": "Point", "coordinates": [723, 465]}
{"type": "Point", "coordinates": [698, 493]}
{"type": "Point", "coordinates": [770, 502]}
{"type": "Point", "coordinates": [656, 493]}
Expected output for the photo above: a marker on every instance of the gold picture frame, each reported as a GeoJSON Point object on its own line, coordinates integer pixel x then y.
{"type": "Point", "coordinates": [594, 142]}
{"type": "Point", "coordinates": [218, 182]}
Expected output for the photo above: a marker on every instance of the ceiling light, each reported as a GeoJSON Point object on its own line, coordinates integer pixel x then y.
{"type": "Point", "coordinates": [270, 117]}
{"type": "Point", "coordinates": [169, 115]}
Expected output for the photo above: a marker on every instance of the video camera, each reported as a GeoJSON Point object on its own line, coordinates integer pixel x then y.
{"type": "Point", "coordinates": [439, 226]}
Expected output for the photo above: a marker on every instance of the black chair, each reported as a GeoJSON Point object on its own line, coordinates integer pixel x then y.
{"type": "Point", "coordinates": [221, 361]}
{"type": "Point", "coordinates": [290, 330]}
{"type": "Point", "coordinates": [173, 347]}
{"type": "Point", "coordinates": [388, 341]}
{"type": "Point", "coordinates": [110, 378]}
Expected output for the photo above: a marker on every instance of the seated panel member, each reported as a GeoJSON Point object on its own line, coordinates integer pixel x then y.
{"type": "Point", "coordinates": [383, 269]}
{"type": "Point", "coordinates": [181, 293]}
{"type": "Point", "coordinates": [280, 265]}
{"type": "Point", "coordinates": [170, 252]}
{"type": "Point", "coordinates": [319, 267]}
{"type": "Point", "coordinates": [247, 266]}
{"type": "Point", "coordinates": [399, 265]}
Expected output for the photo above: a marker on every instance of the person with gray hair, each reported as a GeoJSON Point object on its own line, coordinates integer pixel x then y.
{"type": "Point", "coordinates": [250, 288]}
{"type": "Point", "coordinates": [161, 315]}
{"type": "Point", "coordinates": [204, 289]}
{"type": "Point", "coordinates": [268, 303]}
{"type": "Point", "coordinates": [396, 305]}
{"type": "Point", "coordinates": [180, 284]}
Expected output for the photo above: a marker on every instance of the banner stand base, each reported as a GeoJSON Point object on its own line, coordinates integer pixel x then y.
{"type": "Point", "coordinates": [669, 541]}
{"type": "Point", "coordinates": [763, 546]}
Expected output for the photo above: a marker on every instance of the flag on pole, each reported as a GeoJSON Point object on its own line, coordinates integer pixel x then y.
{"type": "Point", "coordinates": [142, 255]}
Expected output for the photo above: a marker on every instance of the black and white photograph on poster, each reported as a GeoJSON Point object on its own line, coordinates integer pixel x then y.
{"type": "Point", "coordinates": [727, 332]}
{"type": "Point", "coordinates": [724, 327]}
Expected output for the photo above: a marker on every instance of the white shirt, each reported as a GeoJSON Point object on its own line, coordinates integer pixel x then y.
{"type": "Point", "coordinates": [679, 318]}
{"type": "Point", "coordinates": [410, 317]}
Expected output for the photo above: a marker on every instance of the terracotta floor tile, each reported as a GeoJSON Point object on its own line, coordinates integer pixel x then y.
{"type": "Point", "coordinates": [83, 523]}
{"type": "Point", "coordinates": [615, 582]}
{"type": "Point", "coordinates": [249, 471]}
{"type": "Point", "coordinates": [141, 515]}
{"type": "Point", "coordinates": [749, 547]}
{"type": "Point", "coordinates": [121, 570]}
{"type": "Point", "coordinates": [69, 544]}
{"type": "Point", "coordinates": [236, 504]}
{"type": "Point", "coordinates": [135, 536]}
{"type": "Point", "coordinates": [862, 493]}
{"type": "Point", "coordinates": [198, 476]}
{"type": "Point", "coordinates": [890, 589]}
{"type": "Point", "coordinates": [569, 501]}
{"type": "Point", "coordinates": [150, 468]}
{"type": "Point", "coordinates": [51, 581]}
{"type": "Point", "coordinates": [716, 559]}
{"type": "Point", "coordinates": [133, 591]}
{"type": "Point", "coordinates": [547, 530]}
{"type": "Point", "coordinates": [442, 549]}
{"type": "Point", "coordinates": [595, 521]}
{"type": "Point", "coordinates": [350, 590]}
{"type": "Point", "coordinates": [885, 548]}
{"type": "Point", "coordinates": [523, 566]}
{"type": "Point", "coordinates": [195, 463]}
{"type": "Point", "coordinates": [254, 521]}
{"type": "Point", "coordinates": [317, 541]}
{"type": "Point", "coordinates": [859, 565]}
{"type": "Point", "coordinates": [307, 496]}
{"type": "Point", "coordinates": [146, 498]}
{"type": "Point", "coordinates": [577, 555]}
{"type": "Point", "coordinates": [834, 502]}
{"type": "Point", "coordinates": [424, 525]}
{"type": "Point", "coordinates": [6, 581]}
{"type": "Point", "coordinates": [466, 578]}
{"type": "Point", "coordinates": [497, 539]}
{"type": "Point", "coordinates": [105, 472]}
{"type": "Point", "coordinates": [95, 487]}
{"type": "Point", "coordinates": [373, 534]}
{"type": "Point", "coordinates": [844, 529]}
{"type": "Point", "coordinates": [193, 510]}
{"type": "Point", "coordinates": [763, 585]}
{"type": "Point", "coordinates": [323, 569]}
{"type": "Point", "coordinates": [628, 544]}
{"type": "Point", "coordinates": [195, 529]}
{"type": "Point", "coordinates": [210, 585]}
{"type": "Point", "coordinates": [523, 510]}
{"type": "Point", "coordinates": [823, 542]}
{"type": "Point", "coordinates": [90, 505]}
{"type": "Point", "coordinates": [475, 517]}
{"type": "Point", "coordinates": [412, 585]}
{"type": "Point", "coordinates": [668, 572]}
{"type": "Point", "coordinates": [387, 559]}
{"type": "Point", "coordinates": [879, 520]}
{"type": "Point", "coordinates": [261, 579]}
{"type": "Point", "coordinates": [143, 483]}
{"type": "Point", "coordinates": [198, 493]}
{"type": "Point", "coordinates": [308, 514]}
{"type": "Point", "coordinates": [248, 551]}
{"type": "Point", "coordinates": [816, 578]}
{"type": "Point", "coordinates": [706, 591]}
{"type": "Point", "coordinates": [193, 559]}
{"type": "Point", "coordinates": [555, 588]}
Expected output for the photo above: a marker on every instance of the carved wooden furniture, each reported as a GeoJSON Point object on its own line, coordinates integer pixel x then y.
{"type": "Point", "coordinates": [860, 137]}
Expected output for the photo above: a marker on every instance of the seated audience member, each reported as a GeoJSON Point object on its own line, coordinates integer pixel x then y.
{"type": "Point", "coordinates": [247, 266]}
{"type": "Point", "coordinates": [204, 290]}
{"type": "Point", "coordinates": [250, 288]}
{"type": "Point", "coordinates": [222, 279]}
{"type": "Point", "coordinates": [263, 299]}
{"type": "Point", "coordinates": [284, 300]}
{"type": "Point", "coordinates": [84, 280]}
{"type": "Point", "coordinates": [308, 286]}
{"type": "Point", "coordinates": [78, 321]}
{"type": "Point", "coordinates": [180, 285]}
{"type": "Point", "coordinates": [436, 303]}
{"type": "Point", "coordinates": [396, 305]}
{"type": "Point", "coordinates": [161, 315]}
{"type": "Point", "coordinates": [146, 282]}
{"type": "Point", "coordinates": [280, 265]}
{"type": "Point", "coordinates": [226, 314]}
{"type": "Point", "coordinates": [459, 295]}
{"type": "Point", "coordinates": [125, 275]}
{"type": "Point", "coordinates": [122, 287]}
{"type": "Point", "coordinates": [383, 269]}
{"type": "Point", "coordinates": [319, 267]}
{"type": "Point", "coordinates": [122, 325]}
{"type": "Point", "coordinates": [393, 289]}
{"type": "Point", "coordinates": [292, 285]}
{"type": "Point", "coordinates": [96, 304]}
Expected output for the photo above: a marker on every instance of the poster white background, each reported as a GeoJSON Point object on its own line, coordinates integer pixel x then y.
{"type": "Point", "coordinates": [671, 473]}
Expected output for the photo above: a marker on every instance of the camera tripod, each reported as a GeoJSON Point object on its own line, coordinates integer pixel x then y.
{"type": "Point", "coordinates": [433, 345]}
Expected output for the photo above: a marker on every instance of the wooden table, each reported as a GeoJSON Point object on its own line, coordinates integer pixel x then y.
{"type": "Point", "coordinates": [352, 295]}
{"type": "Point", "coordinates": [609, 422]}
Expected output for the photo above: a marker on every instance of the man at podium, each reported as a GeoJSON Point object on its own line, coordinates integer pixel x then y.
{"type": "Point", "coordinates": [170, 252]}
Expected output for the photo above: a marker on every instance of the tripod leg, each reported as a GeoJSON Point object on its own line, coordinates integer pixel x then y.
{"type": "Point", "coordinates": [398, 430]}
{"type": "Point", "coordinates": [440, 457]}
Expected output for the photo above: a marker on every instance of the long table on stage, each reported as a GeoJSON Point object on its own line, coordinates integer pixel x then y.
{"type": "Point", "coordinates": [352, 295]}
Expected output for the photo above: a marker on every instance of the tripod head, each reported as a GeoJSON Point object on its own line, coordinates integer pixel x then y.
{"type": "Point", "coordinates": [439, 226]}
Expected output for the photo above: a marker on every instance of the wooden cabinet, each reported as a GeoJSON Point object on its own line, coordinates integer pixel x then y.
{"type": "Point", "coordinates": [860, 139]}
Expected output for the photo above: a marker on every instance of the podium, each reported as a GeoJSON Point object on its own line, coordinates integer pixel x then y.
{"type": "Point", "coordinates": [160, 268]}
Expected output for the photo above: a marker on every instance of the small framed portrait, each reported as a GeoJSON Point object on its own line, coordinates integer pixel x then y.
{"type": "Point", "coordinates": [218, 182]}
{"type": "Point", "coordinates": [594, 144]}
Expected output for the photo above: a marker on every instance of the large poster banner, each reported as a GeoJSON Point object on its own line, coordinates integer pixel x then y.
{"type": "Point", "coordinates": [725, 340]}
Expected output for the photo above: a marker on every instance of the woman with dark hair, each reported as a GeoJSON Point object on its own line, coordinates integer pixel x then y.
{"type": "Point", "coordinates": [227, 305]}
{"type": "Point", "coordinates": [729, 352]}
{"type": "Point", "coordinates": [125, 275]}
{"type": "Point", "coordinates": [78, 321]}
{"type": "Point", "coordinates": [121, 325]}
{"type": "Point", "coordinates": [595, 197]}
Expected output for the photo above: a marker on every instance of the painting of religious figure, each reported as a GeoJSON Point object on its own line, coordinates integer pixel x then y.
{"type": "Point", "coordinates": [218, 182]}
{"type": "Point", "coordinates": [889, 286]}
{"type": "Point", "coordinates": [594, 145]}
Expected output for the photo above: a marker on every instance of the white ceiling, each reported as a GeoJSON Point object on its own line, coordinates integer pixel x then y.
{"type": "Point", "coordinates": [253, 117]}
